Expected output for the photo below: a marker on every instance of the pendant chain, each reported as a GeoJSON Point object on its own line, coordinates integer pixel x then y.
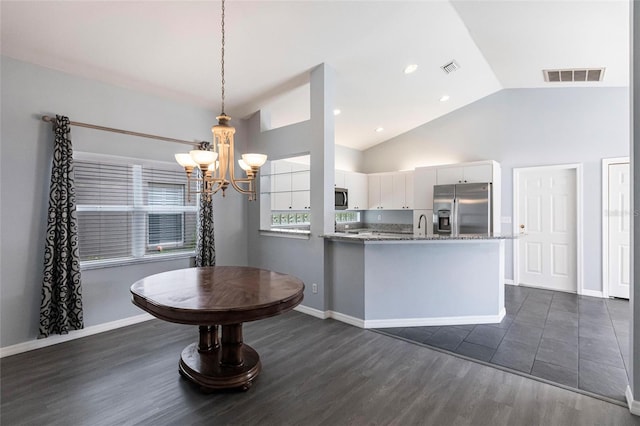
{"type": "Point", "coordinates": [222, 62]}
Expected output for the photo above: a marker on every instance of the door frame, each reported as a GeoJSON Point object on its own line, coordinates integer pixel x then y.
{"type": "Point", "coordinates": [577, 167]}
{"type": "Point", "coordinates": [605, 219]}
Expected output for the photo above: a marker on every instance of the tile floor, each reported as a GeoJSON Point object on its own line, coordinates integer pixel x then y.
{"type": "Point", "coordinates": [578, 341]}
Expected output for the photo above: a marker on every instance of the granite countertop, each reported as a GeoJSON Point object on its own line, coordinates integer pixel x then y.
{"type": "Point", "coordinates": [381, 236]}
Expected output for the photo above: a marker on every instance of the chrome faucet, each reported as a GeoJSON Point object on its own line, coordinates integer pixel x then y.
{"type": "Point", "coordinates": [420, 220]}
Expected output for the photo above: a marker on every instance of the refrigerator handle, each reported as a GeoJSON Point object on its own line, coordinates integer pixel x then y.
{"type": "Point", "coordinates": [454, 218]}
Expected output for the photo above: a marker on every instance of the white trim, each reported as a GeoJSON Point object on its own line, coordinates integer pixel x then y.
{"type": "Point", "coordinates": [357, 322]}
{"type": "Point", "coordinates": [579, 219]}
{"type": "Point", "coordinates": [606, 162]}
{"type": "Point", "coordinates": [508, 281]}
{"type": "Point", "coordinates": [312, 311]}
{"type": "Point", "coordinates": [592, 293]}
{"type": "Point", "coordinates": [422, 322]}
{"type": "Point", "coordinates": [76, 334]}
{"type": "Point", "coordinates": [284, 234]}
{"type": "Point", "coordinates": [634, 405]}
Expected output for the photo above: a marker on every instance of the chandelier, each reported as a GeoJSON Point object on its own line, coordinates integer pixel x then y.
{"type": "Point", "coordinates": [216, 161]}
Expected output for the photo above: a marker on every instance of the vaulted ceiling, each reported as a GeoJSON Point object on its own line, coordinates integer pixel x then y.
{"type": "Point", "coordinates": [172, 49]}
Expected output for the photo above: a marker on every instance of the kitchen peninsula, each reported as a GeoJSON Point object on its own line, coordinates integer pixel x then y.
{"type": "Point", "coordinates": [382, 280]}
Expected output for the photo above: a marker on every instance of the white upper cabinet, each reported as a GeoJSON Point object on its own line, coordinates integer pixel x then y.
{"type": "Point", "coordinates": [300, 181]}
{"type": "Point", "coordinates": [464, 174]}
{"type": "Point", "coordinates": [392, 191]}
{"type": "Point", "coordinates": [290, 185]}
{"type": "Point", "coordinates": [402, 191]}
{"type": "Point", "coordinates": [357, 184]}
{"type": "Point", "coordinates": [424, 180]}
{"type": "Point", "coordinates": [340, 179]}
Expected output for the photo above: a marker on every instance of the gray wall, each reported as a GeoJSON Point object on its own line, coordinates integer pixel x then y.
{"type": "Point", "coordinates": [27, 93]}
{"type": "Point", "coordinates": [348, 159]}
{"type": "Point", "coordinates": [522, 128]}
{"type": "Point", "coordinates": [303, 258]}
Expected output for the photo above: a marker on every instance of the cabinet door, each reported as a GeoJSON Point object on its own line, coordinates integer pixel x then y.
{"type": "Point", "coordinates": [281, 183]}
{"type": "Point", "coordinates": [408, 190]}
{"type": "Point", "coordinates": [300, 200]}
{"type": "Point", "coordinates": [300, 181]}
{"type": "Point", "coordinates": [374, 191]}
{"type": "Point", "coordinates": [479, 173]}
{"type": "Point", "coordinates": [280, 166]}
{"type": "Point", "coordinates": [281, 201]}
{"type": "Point", "coordinates": [424, 180]}
{"type": "Point", "coordinates": [356, 183]}
{"type": "Point", "coordinates": [398, 195]}
{"type": "Point", "coordinates": [449, 175]}
{"type": "Point", "coordinates": [340, 179]}
{"type": "Point", "coordinates": [386, 191]}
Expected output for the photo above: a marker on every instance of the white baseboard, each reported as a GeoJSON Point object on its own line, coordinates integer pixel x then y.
{"type": "Point", "coordinates": [357, 322]}
{"type": "Point", "coordinates": [312, 311]}
{"type": "Point", "coordinates": [75, 334]}
{"type": "Point", "coordinates": [634, 406]}
{"type": "Point", "coordinates": [508, 281]}
{"type": "Point", "coordinates": [426, 322]}
{"type": "Point", "coordinates": [592, 293]}
{"type": "Point", "coordinates": [402, 322]}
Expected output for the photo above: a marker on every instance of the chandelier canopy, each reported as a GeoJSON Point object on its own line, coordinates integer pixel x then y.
{"type": "Point", "coordinates": [216, 161]}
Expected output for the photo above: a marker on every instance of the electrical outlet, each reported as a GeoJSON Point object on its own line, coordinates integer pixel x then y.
{"type": "Point", "coordinates": [314, 288]}
{"type": "Point", "coordinates": [379, 217]}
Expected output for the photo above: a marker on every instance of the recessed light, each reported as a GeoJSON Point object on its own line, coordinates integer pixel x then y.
{"type": "Point", "coordinates": [336, 111]}
{"type": "Point", "coordinates": [444, 98]}
{"type": "Point", "coordinates": [379, 129]}
{"type": "Point", "coordinates": [410, 68]}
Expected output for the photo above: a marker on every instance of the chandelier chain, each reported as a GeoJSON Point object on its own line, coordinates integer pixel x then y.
{"type": "Point", "coordinates": [222, 61]}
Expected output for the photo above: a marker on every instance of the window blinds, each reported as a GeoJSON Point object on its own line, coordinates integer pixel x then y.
{"type": "Point", "coordinates": [129, 209]}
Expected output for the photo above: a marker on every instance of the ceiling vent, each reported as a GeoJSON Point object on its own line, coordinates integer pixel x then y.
{"type": "Point", "coordinates": [573, 75]}
{"type": "Point", "coordinates": [450, 67]}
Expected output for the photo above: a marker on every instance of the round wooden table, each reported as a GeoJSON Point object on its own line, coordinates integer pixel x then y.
{"type": "Point", "coordinates": [218, 298]}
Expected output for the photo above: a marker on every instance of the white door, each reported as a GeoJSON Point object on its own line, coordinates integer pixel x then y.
{"type": "Point", "coordinates": [547, 215]}
{"type": "Point", "coordinates": [619, 214]}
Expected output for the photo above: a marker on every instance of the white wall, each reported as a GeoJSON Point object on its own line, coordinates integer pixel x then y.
{"type": "Point", "coordinates": [27, 93]}
{"type": "Point", "coordinates": [522, 128]}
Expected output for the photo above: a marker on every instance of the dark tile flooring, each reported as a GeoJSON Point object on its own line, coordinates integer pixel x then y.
{"type": "Point", "coordinates": [577, 341]}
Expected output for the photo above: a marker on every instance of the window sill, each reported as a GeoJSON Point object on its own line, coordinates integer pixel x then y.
{"type": "Point", "coordinates": [111, 263]}
{"type": "Point", "coordinates": [296, 234]}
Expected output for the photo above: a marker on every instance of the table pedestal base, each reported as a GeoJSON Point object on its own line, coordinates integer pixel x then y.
{"type": "Point", "coordinates": [224, 363]}
{"type": "Point", "coordinates": [206, 370]}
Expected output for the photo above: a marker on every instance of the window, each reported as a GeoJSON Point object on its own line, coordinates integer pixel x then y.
{"type": "Point", "coordinates": [131, 210]}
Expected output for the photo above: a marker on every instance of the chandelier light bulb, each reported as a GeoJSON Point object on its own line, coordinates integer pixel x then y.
{"type": "Point", "coordinates": [202, 157]}
{"type": "Point", "coordinates": [244, 166]}
{"type": "Point", "coordinates": [185, 160]}
{"type": "Point", "coordinates": [254, 160]}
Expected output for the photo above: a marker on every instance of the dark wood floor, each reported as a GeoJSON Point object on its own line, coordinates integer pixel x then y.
{"type": "Point", "coordinates": [337, 375]}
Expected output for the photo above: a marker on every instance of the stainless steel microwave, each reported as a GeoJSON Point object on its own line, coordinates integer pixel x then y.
{"type": "Point", "coordinates": [342, 198]}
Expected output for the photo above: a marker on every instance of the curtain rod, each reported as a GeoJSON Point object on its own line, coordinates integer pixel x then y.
{"type": "Point", "coordinates": [124, 132]}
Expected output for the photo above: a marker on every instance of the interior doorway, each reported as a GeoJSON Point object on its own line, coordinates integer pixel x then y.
{"type": "Point", "coordinates": [616, 227]}
{"type": "Point", "coordinates": [548, 215]}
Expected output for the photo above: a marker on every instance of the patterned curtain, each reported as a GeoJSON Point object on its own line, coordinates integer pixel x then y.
{"type": "Point", "coordinates": [206, 243]}
{"type": "Point", "coordinates": [61, 304]}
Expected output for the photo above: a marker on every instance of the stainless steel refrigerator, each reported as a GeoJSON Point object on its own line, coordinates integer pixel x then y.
{"type": "Point", "coordinates": [462, 209]}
